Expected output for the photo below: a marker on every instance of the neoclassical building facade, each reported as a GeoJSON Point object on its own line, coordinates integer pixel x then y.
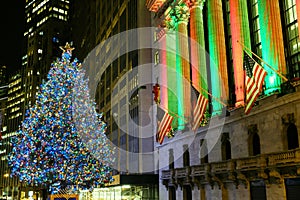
{"type": "Point", "coordinates": [236, 156]}
{"type": "Point", "coordinates": [233, 155]}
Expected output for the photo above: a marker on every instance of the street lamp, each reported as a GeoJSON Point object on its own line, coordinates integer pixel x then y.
{"type": "Point", "coordinates": [6, 175]}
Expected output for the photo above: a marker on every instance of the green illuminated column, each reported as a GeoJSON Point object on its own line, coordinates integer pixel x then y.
{"type": "Point", "coordinates": [198, 60]}
{"type": "Point", "coordinates": [239, 32]}
{"type": "Point", "coordinates": [171, 40]}
{"type": "Point", "coordinates": [272, 43]}
{"type": "Point", "coordinates": [217, 52]}
{"type": "Point", "coordinates": [181, 15]}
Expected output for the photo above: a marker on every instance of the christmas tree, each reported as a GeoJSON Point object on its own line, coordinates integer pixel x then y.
{"type": "Point", "coordinates": [61, 142]}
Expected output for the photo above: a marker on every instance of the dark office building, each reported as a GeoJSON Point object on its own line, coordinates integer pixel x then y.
{"type": "Point", "coordinates": [116, 81]}
{"type": "Point", "coordinates": [46, 28]}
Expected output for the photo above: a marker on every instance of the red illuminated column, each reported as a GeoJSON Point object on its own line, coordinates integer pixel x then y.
{"type": "Point", "coordinates": [298, 13]}
{"type": "Point", "coordinates": [163, 69]}
{"type": "Point", "coordinates": [239, 32]}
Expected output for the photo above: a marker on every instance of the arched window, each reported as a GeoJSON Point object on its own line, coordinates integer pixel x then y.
{"type": "Point", "coordinates": [203, 152]}
{"type": "Point", "coordinates": [292, 137]}
{"type": "Point", "coordinates": [186, 156]}
{"type": "Point", "coordinates": [254, 140]}
{"type": "Point", "coordinates": [256, 144]}
{"type": "Point", "coordinates": [171, 159]}
{"type": "Point", "coordinates": [226, 147]}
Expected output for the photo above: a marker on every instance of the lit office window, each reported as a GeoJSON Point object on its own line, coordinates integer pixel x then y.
{"type": "Point", "coordinates": [255, 28]}
{"type": "Point", "coordinates": [291, 37]}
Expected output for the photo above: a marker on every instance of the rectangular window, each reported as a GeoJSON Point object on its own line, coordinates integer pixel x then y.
{"type": "Point", "coordinates": [255, 28]}
{"type": "Point", "coordinates": [258, 190]}
{"type": "Point", "coordinates": [291, 37]}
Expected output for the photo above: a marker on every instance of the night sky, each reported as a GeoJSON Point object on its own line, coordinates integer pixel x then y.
{"type": "Point", "coordinates": [12, 20]}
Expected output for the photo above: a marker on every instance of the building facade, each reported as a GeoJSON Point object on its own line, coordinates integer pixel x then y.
{"type": "Point", "coordinates": [120, 88]}
{"type": "Point", "coordinates": [118, 91]}
{"type": "Point", "coordinates": [46, 29]}
{"type": "Point", "coordinates": [4, 191]}
{"type": "Point", "coordinates": [233, 155]}
{"type": "Point", "coordinates": [249, 157]}
{"type": "Point", "coordinates": [14, 115]}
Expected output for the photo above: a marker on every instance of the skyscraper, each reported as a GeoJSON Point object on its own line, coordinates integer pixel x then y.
{"type": "Point", "coordinates": [11, 117]}
{"type": "Point", "coordinates": [121, 87]}
{"type": "Point", "coordinates": [46, 28]}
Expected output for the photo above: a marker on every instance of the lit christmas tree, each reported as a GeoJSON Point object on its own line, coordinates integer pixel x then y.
{"type": "Point", "coordinates": [61, 142]}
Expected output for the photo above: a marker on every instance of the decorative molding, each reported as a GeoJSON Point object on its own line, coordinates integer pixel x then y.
{"type": "Point", "coordinates": [181, 13]}
{"type": "Point", "coordinates": [242, 179]}
{"type": "Point", "coordinates": [197, 3]}
{"type": "Point", "coordinates": [252, 129]}
{"type": "Point", "coordinates": [262, 174]}
{"type": "Point", "coordinates": [275, 177]}
{"type": "Point", "coordinates": [215, 179]}
{"type": "Point", "coordinates": [270, 168]}
{"type": "Point", "coordinates": [169, 23]}
{"type": "Point", "coordinates": [288, 118]}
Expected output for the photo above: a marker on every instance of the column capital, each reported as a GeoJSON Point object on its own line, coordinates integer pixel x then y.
{"type": "Point", "coordinates": [197, 3]}
{"type": "Point", "coordinates": [181, 13]}
{"type": "Point", "coordinates": [169, 23]}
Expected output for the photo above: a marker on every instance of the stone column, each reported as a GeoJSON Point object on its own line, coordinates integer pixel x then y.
{"type": "Point", "coordinates": [272, 43]}
{"type": "Point", "coordinates": [196, 194]}
{"type": "Point", "coordinates": [179, 194]}
{"type": "Point", "coordinates": [171, 41]}
{"type": "Point", "coordinates": [163, 192]}
{"type": "Point", "coordinates": [239, 32]}
{"type": "Point", "coordinates": [237, 192]}
{"type": "Point", "coordinates": [163, 68]}
{"type": "Point", "coordinates": [217, 53]}
{"type": "Point", "coordinates": [198, 53]}
{"type": "Point", "coordinates": [276, 191]}
{"type": "Point", "coordinates": [181, 14]}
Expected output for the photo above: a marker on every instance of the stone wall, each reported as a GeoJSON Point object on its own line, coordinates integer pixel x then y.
{"type": "Point", "coordinates": [271, 116]}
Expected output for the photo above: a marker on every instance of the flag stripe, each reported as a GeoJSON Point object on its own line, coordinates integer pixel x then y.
{"type": "Point", "coordinates": [258, 74]}
{"type": "Point", "coordinates": [164, 127]}
{"type": "Point", "coordinates": [199, 111]}
{"type": "Point", "coordinates": [254, 83]}
{"type": "Point", "coordinates": [165, 130]}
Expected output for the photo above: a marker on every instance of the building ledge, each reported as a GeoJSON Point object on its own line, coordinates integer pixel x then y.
{"type": "Point", "coordinates": [270, 167]}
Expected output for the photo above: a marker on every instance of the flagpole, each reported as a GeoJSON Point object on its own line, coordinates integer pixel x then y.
{"type": "Point", "coordinates": [218, 100]}
{"type": "Point", "coordinates": [276, 71]}
{"type": "Point", "coordinates": [166, 110]}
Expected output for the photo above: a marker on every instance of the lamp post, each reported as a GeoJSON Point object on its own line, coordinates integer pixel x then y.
{"type": "Point", "coordinates": [6, 175]}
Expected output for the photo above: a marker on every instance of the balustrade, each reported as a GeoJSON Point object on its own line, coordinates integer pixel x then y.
{"type": "Point", "coordinates": [259, 163]}
{"type": "Point", "coordinates": [284, 157]}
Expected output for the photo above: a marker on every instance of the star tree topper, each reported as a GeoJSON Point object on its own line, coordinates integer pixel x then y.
{"type": "Point", "coordinates": [67, 48]}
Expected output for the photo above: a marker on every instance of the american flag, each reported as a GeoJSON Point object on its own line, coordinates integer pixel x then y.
{"type": "Point", "coordinates": [164, 124]}
{"type": "Point", "coordinates": [199, 110]}
{"type": "Point", "coordinates": [254, 80]}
